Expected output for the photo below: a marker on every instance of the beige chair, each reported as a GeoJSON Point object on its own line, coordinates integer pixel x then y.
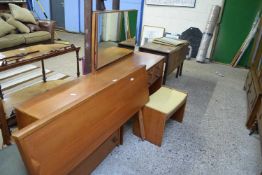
{"type": "Point", "coordinates": [164, 104]}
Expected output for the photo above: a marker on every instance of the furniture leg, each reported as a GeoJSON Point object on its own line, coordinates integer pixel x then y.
{"type": "Point", "coordinates": [3, 125]}
{"type": "Point", "coordinates": [177, 72]}
{"type": "Point", "coordinates": [77, 63]}
{"type": "Point", "coordinates": [165, 74]}
{"type": "Point", "coordinates": [179, 114]}
{"type": "Point", "coordinates": [1, 92]}
{"type": "Point", "coordinates": [181, 68]}
{"type": "Point", "coordinates": [154, 125]}
{"type": "Point", "coordinates": [43, 70]}
{"type": "Point", "coordinates": [141, 125]}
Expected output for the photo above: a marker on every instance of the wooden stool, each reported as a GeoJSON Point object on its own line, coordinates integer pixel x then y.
{"type": "Point", "coordinates": [163, 104]}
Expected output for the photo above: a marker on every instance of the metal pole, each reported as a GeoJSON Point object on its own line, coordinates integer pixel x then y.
{"type": "Point", "coordinates": [116, 4]}
{"type": "Point", "coordinates": [87, 61]}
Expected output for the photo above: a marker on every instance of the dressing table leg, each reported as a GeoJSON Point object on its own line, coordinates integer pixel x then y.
{"type": "Point", "coordinates": [141, 125]}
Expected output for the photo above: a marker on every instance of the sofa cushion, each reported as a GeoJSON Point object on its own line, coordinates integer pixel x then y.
{"type": "Point", "coordinates": [6, 16]}
{"type": "Point", "coordinates": [36, 37]}
{"type": "Point", "coordinates": [5, 28]}
{"type": "Point", "coordinates": [17, 24]}
{"type": "Point", "coordinates": [22, 14]}
{"type": "Point", "coordinates": [33, 27]}
{"type": "Point", "coordinates": [11, 40]}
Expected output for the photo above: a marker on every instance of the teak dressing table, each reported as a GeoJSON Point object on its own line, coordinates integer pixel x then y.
{"type": "Point", "coordinates": [56, 125]}
{"type": "Point", "coordinates": [72, 128]}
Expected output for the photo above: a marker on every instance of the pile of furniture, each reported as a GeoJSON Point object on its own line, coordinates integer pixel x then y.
{"type": "Point", "coordinates": [20, 28]}
{"type": "Point", "coordinates": [81, 121]}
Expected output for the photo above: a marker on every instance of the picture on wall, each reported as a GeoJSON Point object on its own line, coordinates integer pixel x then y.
{"type": "Point", "coordinates": [180, 3]}
{"type": "Point", "coordinates": [149, 33]}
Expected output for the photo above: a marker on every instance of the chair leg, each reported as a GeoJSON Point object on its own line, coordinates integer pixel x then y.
{"type": "Point", "coordinates": [141, 125]}
{"type": "Point", "coordinates": [179, 114]}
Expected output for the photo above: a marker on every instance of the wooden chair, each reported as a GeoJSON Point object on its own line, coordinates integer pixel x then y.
{"type": "Point", "coordinates": [164, 104]}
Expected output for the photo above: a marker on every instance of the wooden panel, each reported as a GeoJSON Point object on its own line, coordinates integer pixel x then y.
{"type": "Point", "coordinates": [86, 113]}
{"type": "Point", "coordinates": [248, 81]}
{"type": "Point", "coordinates": [251, 96]}
{"type": "Point", "coordinates": [90, 163]}
{"type": "Point", "coordinates": [259, 119]}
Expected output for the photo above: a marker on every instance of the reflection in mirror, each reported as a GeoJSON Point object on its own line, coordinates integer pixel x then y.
{"type": "Point", "coordinates": [113, 28]}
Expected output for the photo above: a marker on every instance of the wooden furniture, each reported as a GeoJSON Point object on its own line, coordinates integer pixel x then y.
{"type": "Point", "coordinates": [15, 58]}
{"type": "Point", "coordinates": [174, 56]}
{"type": "Point", "coordinates": [154, 68]}
{"type": "Point", "coordinates": [90, 84]}
{"type": "Point", "coordinates": [253, 84]}
{"type": "Point", "coordinates": [110, 28]}
{"type": "Point", "coordinates": [7, 105]}
{"type": "Point", "coordinates": [163, 104]}
{"type": "Point", "coordinates": [87, 112]}
{"type": "Point", "coordinates": [128, 44]}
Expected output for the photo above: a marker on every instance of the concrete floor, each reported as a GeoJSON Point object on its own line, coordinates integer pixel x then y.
{"type": "Point", "coordinates": [212, 140]}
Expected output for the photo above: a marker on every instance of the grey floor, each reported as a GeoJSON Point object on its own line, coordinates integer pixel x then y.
{"type": "Point", "coordinates": [212, 140]}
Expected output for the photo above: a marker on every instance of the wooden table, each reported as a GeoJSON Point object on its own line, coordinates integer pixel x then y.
{"type": "Point", "coordinates": [18, 57]}
{"type": "Point", "coordinates": [112, 95]}
{"type": "Point", "coordinates": [174, 56]}
{"type": "Point", "coordinates": [129, 44]}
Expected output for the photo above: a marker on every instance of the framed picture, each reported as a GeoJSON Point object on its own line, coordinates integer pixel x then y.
{"type": "Point", "coordinates": [149, 33]}
{"type": "Point", "coordinates": [179, 3]}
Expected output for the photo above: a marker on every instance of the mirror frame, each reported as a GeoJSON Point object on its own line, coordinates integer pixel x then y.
{"type": "Point", "coordinates": [94, 52]}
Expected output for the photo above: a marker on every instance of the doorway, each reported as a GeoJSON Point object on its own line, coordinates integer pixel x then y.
{"type": "Point", "coordinates": [58, 12]}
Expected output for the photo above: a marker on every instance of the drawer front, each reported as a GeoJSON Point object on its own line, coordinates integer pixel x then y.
{"type": "Point", "coordinates": [155, 73]}
{"type": "Point", "coordinates": [92, 161]}
{"type": "Point", "coordinates": [251, 96]}
{"type": "Point", "coordinates": [248, 81]}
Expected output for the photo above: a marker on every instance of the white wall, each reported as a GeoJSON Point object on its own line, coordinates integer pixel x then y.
{"type": "Point", "coordinates": [178, 19]}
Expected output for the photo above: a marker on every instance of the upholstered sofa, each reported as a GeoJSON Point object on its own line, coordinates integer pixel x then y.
{"type": "Point", "coordinates": [45, 35]}
{"type": "Point", "coordinates": [19, 28]}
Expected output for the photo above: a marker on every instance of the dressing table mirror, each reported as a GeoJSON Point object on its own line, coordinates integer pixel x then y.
{"type": "Point", "coordinates": [112, 28]}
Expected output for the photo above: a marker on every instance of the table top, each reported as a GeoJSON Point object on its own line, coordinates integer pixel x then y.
{"type": "Point", "coordinates": [84, 87]}
{"type": "Point", "coordinates": [129, 42]}
{"type": "Point", "coordinates": [17, 57]}
{"type": "Point", "coordinates": [162, 48]}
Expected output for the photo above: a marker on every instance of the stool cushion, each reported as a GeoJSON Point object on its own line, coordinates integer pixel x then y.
{"type": "Point", "coordinates": [166, 100]}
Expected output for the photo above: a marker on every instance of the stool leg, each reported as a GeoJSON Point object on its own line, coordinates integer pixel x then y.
{"type": "Point", "coordinates": [179, 114]}
{"type": "Point", "coordinates": [141, 125]}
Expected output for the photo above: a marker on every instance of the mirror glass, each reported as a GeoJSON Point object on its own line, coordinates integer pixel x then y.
{"type": "Point", "coordinates": [112, 30]}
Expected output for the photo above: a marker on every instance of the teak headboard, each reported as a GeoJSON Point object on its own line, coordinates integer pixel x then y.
{"type": "Point", "coordinates": [78, 118]}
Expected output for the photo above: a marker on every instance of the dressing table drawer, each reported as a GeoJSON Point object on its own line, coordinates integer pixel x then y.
{"type": "Point", "coordinates": [155, 73]}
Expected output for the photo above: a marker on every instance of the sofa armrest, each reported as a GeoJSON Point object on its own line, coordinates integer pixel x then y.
{"type": "Point", "coordinates": [49, 26]}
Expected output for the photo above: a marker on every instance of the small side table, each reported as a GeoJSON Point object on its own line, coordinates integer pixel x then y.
{"type": "Point", "coordinates": [174, 56]}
